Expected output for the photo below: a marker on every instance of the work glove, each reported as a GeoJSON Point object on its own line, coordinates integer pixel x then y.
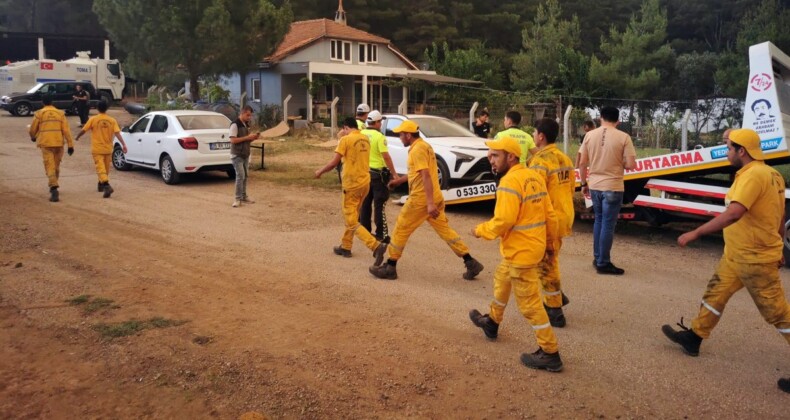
{"type": "Point", "coordinates": [71, 151]}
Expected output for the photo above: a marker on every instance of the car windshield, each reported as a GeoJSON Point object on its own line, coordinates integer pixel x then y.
{"type": "Point", "coordinates": [203, 122]}
{"type": "Point", "coordinates": [441, 127]}
{"type": "Point", "coordinates": [35, 88]}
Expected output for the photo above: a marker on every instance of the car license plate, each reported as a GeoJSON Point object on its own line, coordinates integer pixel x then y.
{"type": "Point", "coordinates": [219, 146]}
{"type": "Point", "coordinates": [476, 190]}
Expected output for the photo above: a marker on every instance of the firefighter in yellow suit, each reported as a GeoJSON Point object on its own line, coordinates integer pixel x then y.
{"type": "Point", "coordinates": [103, 127]}
{"type": "Point", "coordinates": [525, 221]}
{"type": "Point", "coordinates": [557, 171]}
{"type": "Point", "coordinates": [753, 225]}
{"type": "Point", "coordinates": [49, 130]}
{"type": "Point", "coordinates": [354, 150]}
{"type": "Point", "coordinates": [425, 203]}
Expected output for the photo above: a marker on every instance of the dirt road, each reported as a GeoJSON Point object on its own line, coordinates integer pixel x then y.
{"type": "Point", "coordinates": [252, 312]}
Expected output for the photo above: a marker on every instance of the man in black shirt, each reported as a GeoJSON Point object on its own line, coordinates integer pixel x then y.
{"type": "Point", "coordinates": [481, 125]}
{"type": "Point", "coordinates": [81, 97]}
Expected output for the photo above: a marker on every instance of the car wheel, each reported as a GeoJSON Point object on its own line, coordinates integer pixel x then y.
{"type": "Point", "coordinates": [231, 173]}
{"type": "Point", "coordinates": [168, 171]}
{"type": "Point", "coordinates": [119, 160]}
{"type": "Point", "coordinates": [22, 109]}
{"type": "Point", "coordinates": [444, 173]}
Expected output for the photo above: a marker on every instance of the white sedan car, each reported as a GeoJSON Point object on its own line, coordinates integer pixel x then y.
{"type": "Point", "coordinates": [460, 155]}
{"type": "Point", "coordinates": [176, 142]}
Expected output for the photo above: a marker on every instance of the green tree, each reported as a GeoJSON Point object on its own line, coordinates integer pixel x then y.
{"type": "Point", "coordinates": [634, 60]}
{"type": "Point", "coordinates": [768, 22]}
{"type": "Point", "coordinates": [200, 36]}
{"type": "Point", "coordinates": [549, 61]}
{"type": "Point", "coordinates": [472, 63]}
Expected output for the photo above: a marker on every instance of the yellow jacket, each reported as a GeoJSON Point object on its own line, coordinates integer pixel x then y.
{"type": "Point", "coordinates": [558, 173]}
{"type": "Point", "coordinates": [523, 217]}
{"type": "Point", "coordinates": [50, 127]}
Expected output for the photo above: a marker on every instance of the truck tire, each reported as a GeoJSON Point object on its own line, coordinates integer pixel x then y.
{"type": "Point", "coordinates": [106, 97]}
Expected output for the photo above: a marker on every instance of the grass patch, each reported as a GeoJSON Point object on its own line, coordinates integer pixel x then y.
{"type": "Point", "coordinates": [79, 300]}
{"type": "Point", "coordinates": [91, 306]}
{"type": "Point", "coordinates": [98, 304]}
{"type": "Point", "coordinates": [131, 327]}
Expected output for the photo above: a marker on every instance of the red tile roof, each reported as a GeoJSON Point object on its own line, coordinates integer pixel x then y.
{"type": "Point", "coordinates": [304, 33]}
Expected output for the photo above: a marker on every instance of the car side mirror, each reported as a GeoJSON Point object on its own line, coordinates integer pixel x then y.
{"type": "Point", "coordinates": [125, 129]}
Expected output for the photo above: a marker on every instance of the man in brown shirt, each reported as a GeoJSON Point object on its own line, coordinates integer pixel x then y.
{"type": "Point", "coordinates": [603, 157]}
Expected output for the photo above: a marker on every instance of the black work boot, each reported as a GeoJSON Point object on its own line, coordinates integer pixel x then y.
{"type": "Point", "coordinates": [339, 250]}
{"type": "Point", "coordinates": [565, 299]}
{"type": "Point", "coordinates": [556, 317]}
{"type": "Point", "coordinates": [686, 338]}
{"type": "Point", "coordinates": [784, 384]}
{"type": "Point", "coordinates": [542, 360]}
{"type": "Point", "coordinates": [473, 268]}
{"type": "Point", "coordinates": [384, 271]}
{"type": "Point", "coordinates": [107, 190]}
{"type": "Point", "coordinates": [488, 325]}
{"type": "Point", "coordinates": [100, 187]}
{"type": "Point", "coordinates": [53, 194]}
{"type": "Point", "coordinates": [379, 252]}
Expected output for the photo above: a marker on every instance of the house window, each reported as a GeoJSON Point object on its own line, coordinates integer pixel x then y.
{"type": "Point", "coordinates": [256, 90]}
{"type": "Point", "coordinates": [368, 53]}
{"type": "Point", "coordinates": [340, 50]}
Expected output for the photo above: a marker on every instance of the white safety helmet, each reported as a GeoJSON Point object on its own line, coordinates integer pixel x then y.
{"type": "Point", "coordinates": [363, 109]}
{"type": "Point", "coordinates": [373, 117]}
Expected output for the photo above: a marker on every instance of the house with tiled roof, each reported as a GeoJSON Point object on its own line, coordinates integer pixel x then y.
{"type": "Point", "coordinates": [333, 60]}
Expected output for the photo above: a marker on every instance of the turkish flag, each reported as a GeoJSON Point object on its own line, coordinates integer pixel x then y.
{"type": "Point", "coordinates": [46, 66]}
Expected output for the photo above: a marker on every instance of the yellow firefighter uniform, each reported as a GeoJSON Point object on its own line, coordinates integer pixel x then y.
{"type": "Point", "coordinates": [524, 140]}
{"type": "Point", "coordinates": [752, 249]}
{"type": "Point", "coordinates": [557, 171]}
{"type": "Point", "coordinates": [103, 128]}
{"type": "Point", "coordinates": [525, 221]}
{"type": "Point", "coordinates": [50, 129]}
{"type": "Point", "coordinates": [415, 211]}
{"type": "Point", "coordinates": [354, 148]}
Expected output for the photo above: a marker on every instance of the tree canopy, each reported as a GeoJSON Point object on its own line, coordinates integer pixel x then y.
{"type": "Point", "coordinates": [198, 36]}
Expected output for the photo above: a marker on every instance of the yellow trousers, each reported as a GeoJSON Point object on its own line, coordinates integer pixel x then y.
{"type": "Point", "coordinates": [525, 283]}
{"type": "Point", "coordinates": [352, 201]}
{"type": "Point", "coordinates": [52, 157]}
{"type": "Point", "coordinates": [763, 283]}
{"type": "Point", "coordinates": [411, 217]}
{"type": "Point", "coordinates": [550, 277]}
{"type": "Point", "coordinates": [103, 163]}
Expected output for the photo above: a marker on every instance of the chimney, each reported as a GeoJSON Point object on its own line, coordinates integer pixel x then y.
{"type": "Point", "coordinates": [340, 15]}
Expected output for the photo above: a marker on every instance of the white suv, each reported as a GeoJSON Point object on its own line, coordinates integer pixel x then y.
{"type": "Point", "coordinates": [460, 155]}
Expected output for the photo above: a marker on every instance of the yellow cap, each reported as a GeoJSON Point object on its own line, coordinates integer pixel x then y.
{"type": "Point", "coordinates": [407, 127]}
{"type": "Point", "coordinates": [508, 144]}
{"type": "Point", "coordinates": [749, 140]}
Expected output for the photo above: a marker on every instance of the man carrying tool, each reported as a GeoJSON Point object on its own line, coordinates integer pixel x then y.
{"type": "Point", "coordinates": [527, 225]}
{"type": "Point", "coordinates": [753, 225]}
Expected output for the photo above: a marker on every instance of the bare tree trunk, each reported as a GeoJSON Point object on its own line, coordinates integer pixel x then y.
{"type": "Point", "coordinates": [194, 87]}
